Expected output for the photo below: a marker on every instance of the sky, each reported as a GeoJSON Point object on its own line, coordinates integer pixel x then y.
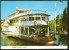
{"type": "Point", "coordinates": [8, 7]}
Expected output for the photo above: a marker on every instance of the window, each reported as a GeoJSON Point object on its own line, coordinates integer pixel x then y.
{"type": "Point", "coordinates": [43, 18]}
{"type": "Point", "coordinates": [6, 28]}
{"type": "Point", "coordinates": [16, 19]}
{"type": "Point", "coordinates": [21, 11]}
{"type": "Point", "coordinates": [31, 18]}
{"type": "Point", "coordinates": [24, 19]}
{"type": "Point", "coordinates": [37, 18]}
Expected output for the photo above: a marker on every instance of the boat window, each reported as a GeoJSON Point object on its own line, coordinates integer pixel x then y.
{"type": "Point", "coordinates": [31, 18]}
{"type": "Point", "coordinates": [13, 20]}
{"type": "Point", "coordinates": [46, 18]}
{"type": "Point", "coordinates": [37, 18]}
{"type": "Point", "coordinates": [24, 19]}
{"type": "Point", "coordinates": [21, 11]}
{"type": "Point", "coordinates": [43, 18]}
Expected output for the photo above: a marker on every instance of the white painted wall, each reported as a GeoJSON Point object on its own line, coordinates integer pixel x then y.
{"type": "Point", "coordinates": [4, 28]}
{"type": "Point", "coordinates": [31, 23]}
{"type": "Point", "coordinates": [17, 15]}
{"type": "Point", "coordinates": [14, 30]}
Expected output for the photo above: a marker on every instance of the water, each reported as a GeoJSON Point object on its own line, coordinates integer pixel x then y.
{"type": "Point", "coordinates": [61, 44]}
{"type": "Point", "coordinates": [5, 41]}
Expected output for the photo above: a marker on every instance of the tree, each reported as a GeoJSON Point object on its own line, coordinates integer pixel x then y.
{"type": "Point", "coordinates": [51, 25]}
{"type": "Point", "coordinates": [58, 23]}
{"type": "Point", "coordinates": [65, 19]}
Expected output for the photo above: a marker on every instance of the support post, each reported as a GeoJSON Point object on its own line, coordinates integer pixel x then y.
{"type": "Point", "coordinates": [28, 30]}
{"type": "Point", "coordinates": [19, 26]}
{"type": "Point", "coordinates": [20, 29]}
{"type": "Point", "coordinates": [28, 26]}
{"type": "Point", "coordinates": [24, 30]}
{"type": "Point", "coordinates": [34, 20]}
{"type": "Point", "coordinates": [41, 18]}
{"type": "Point", "coordinates": [48, 26]}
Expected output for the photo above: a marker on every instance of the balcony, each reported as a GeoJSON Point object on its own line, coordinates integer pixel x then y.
{"type": "Point", "coordinates": [15, 24]}
{"type": "Point", "coordinates": [33, 23]}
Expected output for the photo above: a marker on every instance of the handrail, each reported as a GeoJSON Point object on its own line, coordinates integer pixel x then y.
{"type": "Point", "coordinates": [32, 12]}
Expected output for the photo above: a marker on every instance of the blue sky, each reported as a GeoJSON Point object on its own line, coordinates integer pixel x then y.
{"type": "Point", "coordinates": [8, 7]}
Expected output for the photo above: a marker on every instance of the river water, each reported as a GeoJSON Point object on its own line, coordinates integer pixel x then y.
{"type": "Point", "coordinates": [5, 41]}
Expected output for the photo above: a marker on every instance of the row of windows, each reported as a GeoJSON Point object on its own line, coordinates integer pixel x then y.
{"type": "Point", "coordinates": [32, 18]}
{"type": "Point", "coordinates": [24, 11]}
{"type": "Point", "coordinates": [29, 19]}
{"type": "Point", "coordinates": [14, 20]}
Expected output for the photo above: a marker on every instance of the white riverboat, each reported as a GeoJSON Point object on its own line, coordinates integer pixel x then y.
{"type": "Point", "coordinates": [25, 22]}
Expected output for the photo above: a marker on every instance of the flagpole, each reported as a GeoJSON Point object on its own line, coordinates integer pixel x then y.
{"type": "Point", "coordinates": [55, 18]}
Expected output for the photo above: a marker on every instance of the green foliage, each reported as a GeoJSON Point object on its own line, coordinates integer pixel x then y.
{"type": "Point", "coordinates": [65, 19]}
{"type": "Point", "coordinates": [58, 23]}
{"type": "Point", "coordinates": [61, 22]}
{"type": "Point", "coordinates": [51, 25]}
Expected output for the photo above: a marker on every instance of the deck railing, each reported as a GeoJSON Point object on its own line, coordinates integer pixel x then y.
{"type": "Point", "coordinates": [33, 23]}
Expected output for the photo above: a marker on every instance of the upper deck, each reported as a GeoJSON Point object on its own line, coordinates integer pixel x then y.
{"type": "Point", "coordinates": [28, 17]}
{"type": "Point", "coordinates": [26, 12]}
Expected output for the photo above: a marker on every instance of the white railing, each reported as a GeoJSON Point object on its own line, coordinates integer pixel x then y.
{"type": "Point", "coordinates": [27, 23]}
{"type": "Point", "coordinates": [15, 24]}
{"type": "Point", "coordinates": [32, 23]}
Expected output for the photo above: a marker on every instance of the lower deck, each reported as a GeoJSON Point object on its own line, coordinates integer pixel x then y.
{"type": "Point", "coordinates": [34, 30]}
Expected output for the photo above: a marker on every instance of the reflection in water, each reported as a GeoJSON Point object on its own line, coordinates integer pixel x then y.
{"type": "Point", "coordinates": [5, 41]}
{"type": "Point", "coordinates": [16, 42]}
{"type": "Point", "coordinates": [61, 44]}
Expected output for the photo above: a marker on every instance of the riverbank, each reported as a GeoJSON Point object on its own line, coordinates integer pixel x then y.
{"type": "Point", "coordinates": [11, 41]}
